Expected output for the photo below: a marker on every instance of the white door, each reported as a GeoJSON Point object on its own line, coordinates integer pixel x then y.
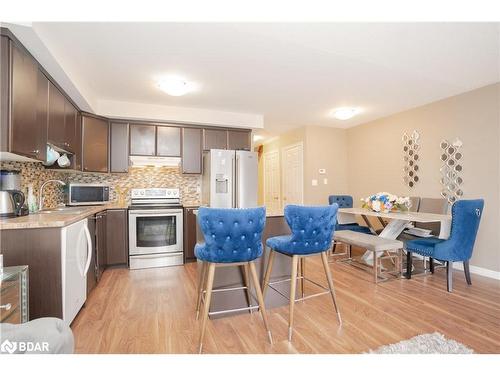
{"type": "Point", "coordinates": [272, 196]}
{"type": "Point", "coordinates": [293, 180]}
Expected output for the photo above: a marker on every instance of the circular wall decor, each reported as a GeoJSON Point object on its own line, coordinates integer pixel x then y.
{"type": "Point", "coordinates": [451, 170]}
{"type": "Point", "coordinates": [411, 146]}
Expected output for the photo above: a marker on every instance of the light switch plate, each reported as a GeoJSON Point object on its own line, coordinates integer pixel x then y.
{"type": "Point", "coordinates": [325, 181]}
{"type": "Point", "coordinates": [314, 182]}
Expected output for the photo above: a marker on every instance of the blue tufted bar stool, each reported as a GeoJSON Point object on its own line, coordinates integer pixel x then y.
{"type": "Point", "coordinates": [233, 237]}
{"type": "Point", "coordinates": [312, 230]}
{"type": "Point", "coordinates": [466, 215]}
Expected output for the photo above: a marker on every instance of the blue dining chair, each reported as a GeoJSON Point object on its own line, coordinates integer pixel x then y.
{"type": "Point", "coordinates": [312, 230]}
{"type": "Point", "coordinates": [466, 215]}
{"type": "Point", "coordinates": [345, 201]}
{"type": "Point", "coordinates": [233, 237]}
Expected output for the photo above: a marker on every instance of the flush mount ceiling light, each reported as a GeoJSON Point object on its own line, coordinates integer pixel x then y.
{"type": "Point", "coordinates": [176, 86]}
{"type": "Point", "coordinates": [345, 113]}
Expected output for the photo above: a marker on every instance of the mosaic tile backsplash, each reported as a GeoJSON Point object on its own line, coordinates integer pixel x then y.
{"type": "Point", "coordinates": [137, 177]}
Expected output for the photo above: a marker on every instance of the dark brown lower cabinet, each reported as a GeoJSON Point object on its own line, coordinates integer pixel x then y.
{"type": "Point", "coordinates": [100, 239]}
{"type": "Point", "coordinates": [117, 237]}
{"type": "Point", "coordinates": [44, 262]}
{"type": "Point", "coordinates": [189, 233]}
{"type": "Point", "coordinates": [91, 274]}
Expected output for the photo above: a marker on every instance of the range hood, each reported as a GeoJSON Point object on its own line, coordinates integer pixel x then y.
{"type": "Point", "coordinates": [154, 161]}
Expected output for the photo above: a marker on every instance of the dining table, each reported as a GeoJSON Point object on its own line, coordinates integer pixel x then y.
{"type": "Point", "coordinates": [393, 222]}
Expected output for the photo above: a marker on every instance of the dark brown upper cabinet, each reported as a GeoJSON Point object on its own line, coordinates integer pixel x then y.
{"type": "Point", "coordinates": [142, 140]}
{"type": "Point", "coordinates": [168, 141]}
{"type": "Point", "coordinates": [94, 144]}
{"type": "Point", "coordinates": [77, 158]}
{"type": "Point", "coordinates": [24, 97]}
{"type": "Point", "coordinates": [70, 126]}
{"type": "Point", "coordinates": [191, 151]}
{"type": "Point", "coordinates": [119, 135]}
{"type": "Point", "coordinates": [239, 140]}
{"type": "Point", "coordinates": [214, 139]}
{"type": "Point", "coordinates": [57, 130]}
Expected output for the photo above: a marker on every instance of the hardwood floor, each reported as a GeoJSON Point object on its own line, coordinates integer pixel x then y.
{"type": "Point", "coordinates": [153, 311]}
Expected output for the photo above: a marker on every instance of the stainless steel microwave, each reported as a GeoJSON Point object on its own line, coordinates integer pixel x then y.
{"type": "Point", "coordinates": [87, 194]}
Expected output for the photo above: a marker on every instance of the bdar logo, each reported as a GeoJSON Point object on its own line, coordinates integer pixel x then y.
{"type": "Point", "coordinates": [8, 347]}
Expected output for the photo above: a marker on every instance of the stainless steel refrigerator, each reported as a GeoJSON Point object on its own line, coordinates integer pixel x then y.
{"type": "Point", "coordinates": [229, 179]}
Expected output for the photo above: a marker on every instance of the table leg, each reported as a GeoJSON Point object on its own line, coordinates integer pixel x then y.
{"type": "Point", "coordinates": [391, 231]}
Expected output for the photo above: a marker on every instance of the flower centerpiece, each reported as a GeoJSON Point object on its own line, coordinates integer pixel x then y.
{"type": "Point", "coordinates": [386, 202]}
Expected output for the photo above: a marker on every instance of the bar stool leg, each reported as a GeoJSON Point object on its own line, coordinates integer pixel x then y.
{"type": "Point", "coordinates": [303, 274]}
{"type": "Point", "coordinates": [206, 307]}
{"type": "Point", "coordinates": [269, 270]}
{"type": "Point", "coordinates": [293, 284]}
{"type": "Point", "coordinates": [260, 298]}
{"type": "Point", "coordinates": [201, 284]}
{"type": "Point", "coordinates": [246, 279]}
{"type": "Point", "coordinates": [330, 284]}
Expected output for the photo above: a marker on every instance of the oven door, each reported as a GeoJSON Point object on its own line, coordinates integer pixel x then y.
{"type": "Point", "coordinates": [155, 231]}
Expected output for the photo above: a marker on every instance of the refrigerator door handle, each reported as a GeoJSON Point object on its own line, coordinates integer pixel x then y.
{"type": "Point", "coordinates": [233, 183]}
{"type": "Point", "coordinates": [237, 182]}
{"type": "Point", "coordinates": [89, 249]}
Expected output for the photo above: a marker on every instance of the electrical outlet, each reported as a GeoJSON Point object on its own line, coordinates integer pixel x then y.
{"type": "Point", "coordinates": [322, 171]}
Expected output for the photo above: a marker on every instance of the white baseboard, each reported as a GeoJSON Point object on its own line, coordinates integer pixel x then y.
{"type": "Point", "coordinates": [478, 271]}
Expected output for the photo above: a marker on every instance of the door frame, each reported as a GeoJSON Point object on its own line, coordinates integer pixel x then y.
{"type": "Point", "coordinates": [283, 150]}
{"type": "Point", "coordinates": [265, 155]}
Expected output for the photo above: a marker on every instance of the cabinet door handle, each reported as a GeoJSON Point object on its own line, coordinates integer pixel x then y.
{"type": "Point", "coordinates": [36, 152]}
{"type": "Point", "coordinates": [7, 307]}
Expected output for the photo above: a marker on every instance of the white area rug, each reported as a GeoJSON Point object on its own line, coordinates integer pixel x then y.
{"type": "Point", "coordinates": [429, 343]}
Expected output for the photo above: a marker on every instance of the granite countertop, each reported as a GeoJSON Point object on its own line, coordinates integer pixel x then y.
{"type": "Point", "coordinates": [55, 219]}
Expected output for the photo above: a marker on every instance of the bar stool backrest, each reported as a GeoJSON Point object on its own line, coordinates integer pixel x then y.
{"type": "Point", "coordinates": [232, 234]}
{"type": "Point", "coordinates": [312, 226]}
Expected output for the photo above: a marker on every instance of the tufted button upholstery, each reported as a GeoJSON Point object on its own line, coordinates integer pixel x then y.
{"type": "Point", "coordinates": [343, 201]}
{"type": "Point", "coordinates": [312, 230]}
{"type": "Point", "coordinates": [464, 226]}
{"type": "Point", "coordinates": [231, 234]}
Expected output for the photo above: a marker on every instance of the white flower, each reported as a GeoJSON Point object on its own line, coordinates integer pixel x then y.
{"type": "Point", "coordinates": [376, 206]}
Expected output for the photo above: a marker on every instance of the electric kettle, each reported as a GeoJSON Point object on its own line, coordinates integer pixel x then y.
{"type": "Point", "coordinates": [11, 203]}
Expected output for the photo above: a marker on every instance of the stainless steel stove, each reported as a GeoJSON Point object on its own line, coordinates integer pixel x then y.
{"type": "Point", "coordinates": [155, 228]}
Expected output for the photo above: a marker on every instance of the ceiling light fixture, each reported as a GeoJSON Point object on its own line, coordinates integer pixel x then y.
{"type": "Point", "coordinates": [345, 113]}
{"type": "Point", "coordinates": [176, 86]}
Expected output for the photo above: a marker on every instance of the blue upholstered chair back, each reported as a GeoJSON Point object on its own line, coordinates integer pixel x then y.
{"type": "Point", "coordinates": [312, 226]}
{"type": "Point", "coordinates": [231, 234]}
{"type": "Point", "coordinates": [466, 215]}
{"type": "Point", "coordinates": [343, 201]}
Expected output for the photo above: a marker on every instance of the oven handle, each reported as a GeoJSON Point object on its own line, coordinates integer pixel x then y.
{"type": "Point", "coordinates": [149, 213]}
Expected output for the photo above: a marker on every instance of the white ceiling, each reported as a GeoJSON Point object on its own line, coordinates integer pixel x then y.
{"type": "Point", "coordinates": [291, 73]}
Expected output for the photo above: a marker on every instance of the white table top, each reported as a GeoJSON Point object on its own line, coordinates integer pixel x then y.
{"type": "Point", "coordinates": [420, 217]}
